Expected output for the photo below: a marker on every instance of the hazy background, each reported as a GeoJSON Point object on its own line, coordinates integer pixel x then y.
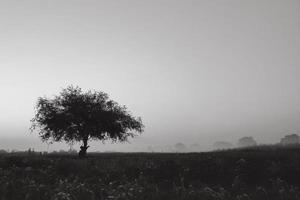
{"type": "Point", "coordinates": [195, 71]}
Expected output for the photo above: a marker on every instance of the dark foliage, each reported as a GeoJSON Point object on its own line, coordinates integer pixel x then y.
{"type": "Point", "coordinates": [77, 116]}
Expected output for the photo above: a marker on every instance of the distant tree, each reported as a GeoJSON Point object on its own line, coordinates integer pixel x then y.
{"type": "Point", "coordinates": [77, 116]}
{"type": "Point", "coordinates": [246, 142]}
{"type": "Point", "coordinates": [290, 139]}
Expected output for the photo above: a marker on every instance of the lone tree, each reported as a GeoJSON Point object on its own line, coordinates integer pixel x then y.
{"type": "Point", "coordinates": [77, 116]}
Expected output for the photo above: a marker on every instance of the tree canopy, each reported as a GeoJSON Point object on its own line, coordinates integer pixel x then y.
{"type": "Point", "coordinates": [77, 116]}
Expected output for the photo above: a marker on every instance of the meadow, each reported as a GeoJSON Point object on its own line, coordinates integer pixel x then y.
{"type": "Point", "coordinates": [244, 174]}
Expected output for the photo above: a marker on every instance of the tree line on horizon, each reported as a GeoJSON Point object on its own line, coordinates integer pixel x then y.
{"type": "Point", "coordinates": [244, 142]}
{"type": "Point", "coordinates": [248, 141]}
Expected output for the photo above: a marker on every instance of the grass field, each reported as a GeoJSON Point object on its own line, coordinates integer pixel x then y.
{"type": "Point", "coordinates": [260, 173]}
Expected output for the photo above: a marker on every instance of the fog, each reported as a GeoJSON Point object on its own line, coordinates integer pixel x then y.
{"type": "Point", "coordinates": [196, 72]}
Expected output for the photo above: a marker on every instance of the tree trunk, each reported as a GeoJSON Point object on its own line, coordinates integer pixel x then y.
{"type": "Point", "coordinates": [83, 148]}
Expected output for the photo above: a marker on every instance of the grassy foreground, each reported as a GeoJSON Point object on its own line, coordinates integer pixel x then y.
{"type": "Point", "coordinates": [262, 174]}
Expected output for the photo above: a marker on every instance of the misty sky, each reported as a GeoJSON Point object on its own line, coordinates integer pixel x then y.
{"type": "Point", "coordinates": [195, 71]}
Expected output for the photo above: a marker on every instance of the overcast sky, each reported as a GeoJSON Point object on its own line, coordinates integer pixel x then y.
{"type": "Point", "coordinates": [195, 71]}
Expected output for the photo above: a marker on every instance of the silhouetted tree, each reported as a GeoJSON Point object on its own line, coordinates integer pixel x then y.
{"type": "Point", "coordinates": [77, 116]}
